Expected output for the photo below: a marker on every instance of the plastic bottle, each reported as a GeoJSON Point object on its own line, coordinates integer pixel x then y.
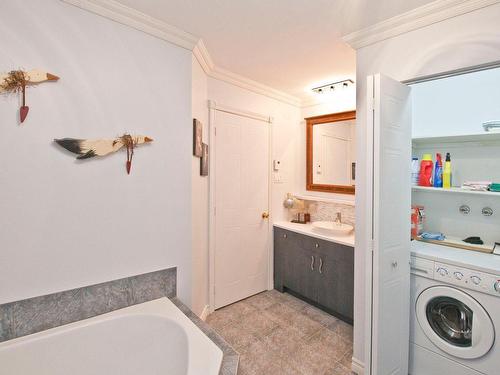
{"type": "Point", "coordinates": [438, 172]}
{"type": "Point", "coordinates": [415, 167]}
{"type": "Point", "coordinates": [425, 177]}
{"type": "Point", "coordinates": [447, 172]}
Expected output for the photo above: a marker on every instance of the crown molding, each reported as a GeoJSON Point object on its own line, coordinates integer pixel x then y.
{"type": "Point", "coordinates": [120, 13]}
{"type": "Point", "coordinates": [417, 18]}
{"type": "Point", "coordinates": [203, 57]}
{"type": "Point", "coordinates": [251, 85]}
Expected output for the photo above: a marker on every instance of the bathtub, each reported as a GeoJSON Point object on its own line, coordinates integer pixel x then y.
{"type": "Point", "coordinates": [152, 338]}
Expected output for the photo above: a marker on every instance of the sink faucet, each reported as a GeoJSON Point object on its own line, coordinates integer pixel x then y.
{"type": "Point", "coordinates": [338, 218]}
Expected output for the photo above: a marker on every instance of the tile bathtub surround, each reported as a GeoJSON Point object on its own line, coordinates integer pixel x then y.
{"type": "Point", "coordinates": [277, 334]}
{"type": "Point", "coordinates": [40, 313]}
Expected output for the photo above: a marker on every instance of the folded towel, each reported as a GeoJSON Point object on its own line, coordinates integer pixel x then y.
{"type": "Point", "coordinates": [495, 187]}
{"type": "Point", "coordinates": [433, 236]}
{"type": "Point", "coordinates": [476, 185]}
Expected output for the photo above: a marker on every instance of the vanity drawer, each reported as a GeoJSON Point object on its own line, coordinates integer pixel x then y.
{"type": "Point", "coordinates": [333, 250]}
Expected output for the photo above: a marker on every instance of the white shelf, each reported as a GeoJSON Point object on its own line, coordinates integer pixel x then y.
{"type": "Point", "coordinates": [323, 199]}
{"type": "Point", "coordinates": [471, 138]}
{"type": "Point", "coordinates": [454, 190]}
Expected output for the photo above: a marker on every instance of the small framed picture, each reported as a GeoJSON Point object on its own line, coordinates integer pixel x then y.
{"type": "Point", "coordinates": [197, 138]}
{"type": "Point", "coordinates": [204, 160]}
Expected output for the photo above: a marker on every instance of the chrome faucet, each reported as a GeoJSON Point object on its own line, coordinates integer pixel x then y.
{"type": "Point", "coordinates": [338, 218]}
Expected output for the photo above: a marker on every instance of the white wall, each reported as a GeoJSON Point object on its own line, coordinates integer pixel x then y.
{"type": "Point", "coordinates": [456, 105]}
{"type": "Point", "coordinates": [66, 224]}
{"type": "Point", "coordinates": [199, 194]}
{"type": "Point", "coordinates": [467, 40]}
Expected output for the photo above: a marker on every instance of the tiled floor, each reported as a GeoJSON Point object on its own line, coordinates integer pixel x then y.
{"type": "Point", "coordinates": [278, 334]}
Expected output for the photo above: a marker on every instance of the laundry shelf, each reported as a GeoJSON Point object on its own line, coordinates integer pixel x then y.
{"type": "Point", "coordinates": [454, 190]}
{"type": "Point", "coordinates": [483, 138]}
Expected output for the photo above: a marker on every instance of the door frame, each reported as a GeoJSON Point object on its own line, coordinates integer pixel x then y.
{"type": "Point", "coordinates": [213, 108]}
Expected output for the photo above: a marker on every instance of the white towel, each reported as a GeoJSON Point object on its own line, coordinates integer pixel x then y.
{"type": "Point", "coordinates": [476, 185]}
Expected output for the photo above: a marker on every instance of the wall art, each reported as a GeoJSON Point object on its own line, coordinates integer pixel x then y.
{"type": "Point", "coordinates": [16, 81]}
{"type": "Point", "coordinates": [86, 148]}
{"type": "Point", "coordinates": [204, 160]}
{"type": "Point", "coordinates": [197, 138]}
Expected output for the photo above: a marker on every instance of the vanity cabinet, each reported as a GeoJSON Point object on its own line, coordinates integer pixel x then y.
{"type": "Point", "coordinates": [322, 272]}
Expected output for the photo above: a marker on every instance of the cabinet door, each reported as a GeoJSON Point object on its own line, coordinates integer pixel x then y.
{"type": "Point", "coordinates": [336, 274]}
{"type": "Point", "coordinates": [303, 274]}
{"type": "Point", "coordinates": [280, 244]}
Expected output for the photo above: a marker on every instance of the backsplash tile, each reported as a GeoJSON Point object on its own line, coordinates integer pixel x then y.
{"type": "Point", "coordinates": [36, 314]}
{"type": "Point", "coordinates": [328, 211]}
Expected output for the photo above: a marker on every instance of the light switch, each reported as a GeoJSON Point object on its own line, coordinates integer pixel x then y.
{"type": "Point", "coordinates": [276, 165]}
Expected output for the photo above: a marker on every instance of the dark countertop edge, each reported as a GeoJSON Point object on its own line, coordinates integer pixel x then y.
{"type": "Point", "coordinates": [230, 357]}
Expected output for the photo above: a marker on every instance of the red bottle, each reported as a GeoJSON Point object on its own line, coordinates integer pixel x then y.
{"type": "Point", "coordinates": [425, 176]}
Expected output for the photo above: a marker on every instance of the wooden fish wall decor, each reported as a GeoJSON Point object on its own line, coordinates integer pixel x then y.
{"type": "Point", "coordinates": [16, 81]}
{"type": "Point", "coordinates": [86, 148]}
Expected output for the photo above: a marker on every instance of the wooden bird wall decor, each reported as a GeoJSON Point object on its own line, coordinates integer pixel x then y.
{"type": "Point", "coordinates": [16, 81]}
{"type": "Point", "coordinates": [86, 148]}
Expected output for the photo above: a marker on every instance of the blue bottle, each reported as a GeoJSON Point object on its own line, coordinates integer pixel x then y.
{"type": "Point", "coordinates": [438, 172]}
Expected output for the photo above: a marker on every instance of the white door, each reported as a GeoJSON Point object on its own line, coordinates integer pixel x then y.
{"type": "Point", "coordinates": [333, 156]}
{"type": "Point", "coordinates": [241, 264]}
{"type": "Point", "coordinates": [390, 119]}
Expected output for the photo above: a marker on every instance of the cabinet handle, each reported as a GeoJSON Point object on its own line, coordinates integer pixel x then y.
{"type": "Point", "coordinates": [316, 245]}
{"type": "Point", "coordinates": [284, 236]}
{"type": "Point", "coordinates": [312, 262]}
{"type": "Point", "coordinates": [320, 265]}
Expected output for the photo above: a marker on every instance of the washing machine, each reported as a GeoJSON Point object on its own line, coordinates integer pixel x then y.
{"type": "Point", "coordinates": [455, 314]}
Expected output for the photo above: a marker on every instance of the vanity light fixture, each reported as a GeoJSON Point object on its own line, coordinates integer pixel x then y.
{"type": "Point", "coordinates": [332, 86]}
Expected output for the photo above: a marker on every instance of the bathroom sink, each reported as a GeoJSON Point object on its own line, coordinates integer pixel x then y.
{"type": "Point", "coordinates": [330, 227]}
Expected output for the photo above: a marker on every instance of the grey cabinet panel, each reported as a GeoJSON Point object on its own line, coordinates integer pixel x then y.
{"type": "Point", "coordinates": [318, 270]}
{"type": "Point", "coordinates": [337, 286]}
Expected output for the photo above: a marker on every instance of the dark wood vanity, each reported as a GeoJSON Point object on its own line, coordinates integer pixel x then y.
{"type": "Point", "coordinates": [318, 271]}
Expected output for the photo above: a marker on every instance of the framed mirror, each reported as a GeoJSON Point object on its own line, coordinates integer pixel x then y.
{"type": "Point", "coordinates": [331, 152]}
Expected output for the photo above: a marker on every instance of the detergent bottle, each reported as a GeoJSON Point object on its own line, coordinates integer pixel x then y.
{"type": "Point", "coordinates": [438, 172]}
{"type": "Point", "coordinates": [425, 176]}
{"type": "Point", "coordinates": [447, 172]}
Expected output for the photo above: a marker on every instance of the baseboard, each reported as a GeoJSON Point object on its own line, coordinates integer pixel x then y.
{"type": "Point", "coordinates": [205, 312]}
{"type": "Point", "coordinates": [357, 366]}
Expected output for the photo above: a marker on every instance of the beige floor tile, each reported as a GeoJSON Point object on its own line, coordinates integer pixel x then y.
{"type": "Point", "coordinates": [342, 328]}
{"type": "Point", "coordinates": [293, 302]}
{"type": "Point", "coordinates": [284, 341]}
{"type": "Point", "coordinates": [346, 360]}
{"type": "Point", "coordinates": [278, 334]}
{"type": "Point", "coordinates": [258, 324]}
{"type": "Point", "coordinates": [280, 312]}
{"type": "Point", "coordinates": [319, 316]}
{"type": "Point", "coordinates": [260, 360]}
{"type": "Point", "coordinates": [238, 337]}
{"type": "Point", "coordinates": [261, 301]}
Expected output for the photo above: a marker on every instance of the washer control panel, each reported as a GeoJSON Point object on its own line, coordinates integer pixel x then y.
{"type": "Point", "coordinates": [463, 277]}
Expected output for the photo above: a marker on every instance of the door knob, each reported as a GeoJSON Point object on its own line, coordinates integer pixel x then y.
{"type": "Point", "coordinates": [265, 215]}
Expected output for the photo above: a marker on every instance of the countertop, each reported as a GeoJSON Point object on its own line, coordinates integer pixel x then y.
{"type": "Point", "coordinates": [308, 230]}
{"type": "Point", "coordinates": [475, 260]}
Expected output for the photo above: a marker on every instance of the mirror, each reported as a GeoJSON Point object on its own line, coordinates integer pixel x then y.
{"type": "Point", "coordinates": [331, 152]}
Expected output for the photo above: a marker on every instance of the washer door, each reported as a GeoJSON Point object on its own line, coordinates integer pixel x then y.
{"type": "Point", "coordinates": [455, 322]}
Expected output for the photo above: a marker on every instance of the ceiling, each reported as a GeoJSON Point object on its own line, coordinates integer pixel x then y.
{"type": "Point", "coordinates": [289, 45]}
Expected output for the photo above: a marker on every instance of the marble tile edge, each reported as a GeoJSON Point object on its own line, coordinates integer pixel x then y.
{"type": "Point", "coordinates": [35, 314]}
